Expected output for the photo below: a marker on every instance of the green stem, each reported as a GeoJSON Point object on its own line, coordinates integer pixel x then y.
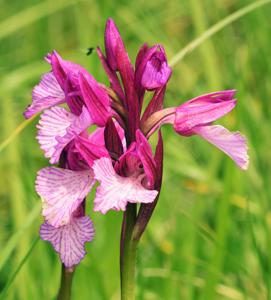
{"type": "Point", "coordinates": [128, 254]}
{"type": "Point", "coordinates": [66, 283]}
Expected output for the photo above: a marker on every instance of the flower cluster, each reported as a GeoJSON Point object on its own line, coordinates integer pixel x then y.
{"type": "Point", "coordinates": [117, 153]}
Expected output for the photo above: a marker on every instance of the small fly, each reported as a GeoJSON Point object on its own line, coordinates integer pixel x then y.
{"type": "Point", "coordinates": [89, 51]}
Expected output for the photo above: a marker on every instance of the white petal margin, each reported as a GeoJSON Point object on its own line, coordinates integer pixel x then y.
{"type": "Point", "coordinates": [69, 240]}
{"type": "Point", "coordinates": [233, 144]}
{"type": "Point", "coordinates": [115, 191]}
{"type": "Point", "coordinates": [46, 94]}
{"type": "Point", "coordinates": [57, 127]}
{"type": "Point", "coordinates": [62, 191]}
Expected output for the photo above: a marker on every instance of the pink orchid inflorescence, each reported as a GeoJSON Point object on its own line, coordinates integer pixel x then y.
{"type": "Point", "coordinates": [117, 153]}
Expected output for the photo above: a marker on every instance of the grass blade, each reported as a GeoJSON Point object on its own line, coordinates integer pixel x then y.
{"type": "Point", "coordinates": [13, 241]}
{"type": "Point", "coordinates": [216, 28]}
{"type": "Point", "coordinates": [21, 264]}
{"type": "Point", "coordinates": [31, 15]}
{"type": "Point", "coordinates": [15, 133]}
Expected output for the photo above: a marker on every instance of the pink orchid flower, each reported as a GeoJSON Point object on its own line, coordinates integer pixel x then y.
{"type": "Point", "coordinates": [117, 154]}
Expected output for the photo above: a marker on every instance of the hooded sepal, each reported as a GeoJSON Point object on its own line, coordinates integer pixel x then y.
{"type": "Point", "coordinates": [155, 69]}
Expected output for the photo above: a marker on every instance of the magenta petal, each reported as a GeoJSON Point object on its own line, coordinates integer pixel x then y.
{"type": "Point", "coordinates": [144, 55]}
{"type": "Point", "coordinates": [118, 59]}
{"type": "Point", "coordinates": [156, 72]}
{"type": "Point", "coordinates": [146, 210]}
{"type": "Point", "coordinates": [97, 136]}
{"type": "Point", "coordinates": [232, 143]}
{"type": "Point", "coordinates": [203, 110]}
{"type": "Point", "coordinates": [58, 69]}
{"type": "Point", "coordinates": [62, 191]}
{"type": "Point", "coordinates": [96, 100]}
{"type": "Point", "coordinates": [155, 104]}
{"type": "Point", "coordinates": [46, 94]}
{"type": "Point", "coordinates": [63, 68]}
{"type": "Point", "coordinates": [112, 139]}
{"type": "Point", "coordinates": [159, 160]}
{"type": "Point", "coordinates": [73, 159]}
{"type": "Point", "coordinates": [145, 154]}
{"type": "Point", "coordinates": [57, 127]}
{"type": "Point", "coordinates": [112, 40]}
{"type": "Point", "coordinates": [73, 96]}
{"type": "Point", "coordinates": [69, 240]}
{"type": "Point", "coordinates": [90, 151]}
{"type": "Point", "coordinates": [132, 103]}
{"type": "Point", "coordinates": [115, 191]}
{"type": "Point", "coordinates": [113, 78]}
{"type": "Point", "coordinates": [67, 75]}
{"type": "Point", "coordinates": [141, 56]}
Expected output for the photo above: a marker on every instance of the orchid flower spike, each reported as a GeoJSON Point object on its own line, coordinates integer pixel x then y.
{"type": "Point", "coordinates": [117, 154]}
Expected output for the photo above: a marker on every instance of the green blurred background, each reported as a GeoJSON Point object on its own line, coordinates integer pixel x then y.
{"type": "Point", "coordinates": [210, 236]}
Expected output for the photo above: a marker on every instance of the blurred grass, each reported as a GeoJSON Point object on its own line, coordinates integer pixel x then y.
{"type": "Point", "coordinates": [210, 235]}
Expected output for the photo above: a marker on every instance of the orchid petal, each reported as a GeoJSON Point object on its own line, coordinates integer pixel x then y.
{"type": "Point", "coordinates": [159, 159]}
{"type": "Point", "coordinates": [146, 210]}
{"type": "Point", "coordinates": [46, 94]}
{"type": "Point", "coordinates": [69, 240]}
{"type": "Point", "coordinates": [112, 138]}
{"type": "Point", "coordinates": [97, 136]}
{"type": "Point", "coordinates": [129, 163]}
{"type": "Point", "coordinates": [96, 100]}
{"type": "Point", "coordinates": [112, 76]}
{"type": "Point", "coordinates": [62, 191]}
{"type": "Point", "coordinates": [115, 191]}
{"type": "Point", "coordinates": [145, 154]}
{"type": "Point", "coordinates": [74, 160]}
{"type": "Point", "coordinates": [63, 68]}
{"type": "Point", "coordinates": [144, 55]}
{"type": "Point", "coordinates": [203, 110]}
{"type": "Point", "coordinates": [57, 127]}
{"type": "Point", "coordinates": [73, 96]}
{"type": "Point", "coordinates": [156, 72]}
{"type": "Point", "coordinates": [155, 104]}
{"type": "Point", "coordinates": [67, 75]}
{"type": "Point", "coordinates": [141, 55]}
{"type": "Point", "coordinates": [127, 75]}
{"type": "Point", "coordinates": [112, 40]}
{"type": "Point", "coordinates": [118, 59]}
{"type": "Point", "coordinates": [90, 151]}
{"type": "Point", "coordinates": [232, 143]}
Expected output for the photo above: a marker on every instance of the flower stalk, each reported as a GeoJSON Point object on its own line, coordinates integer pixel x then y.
{"type": "Point", "coordinates": [128, 254]}
{"type": "Point", "coordinates": [66, 283]}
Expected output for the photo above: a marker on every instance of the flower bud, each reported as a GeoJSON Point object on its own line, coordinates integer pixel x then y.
{"type": "Point", "coordinates": [156, 72]}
